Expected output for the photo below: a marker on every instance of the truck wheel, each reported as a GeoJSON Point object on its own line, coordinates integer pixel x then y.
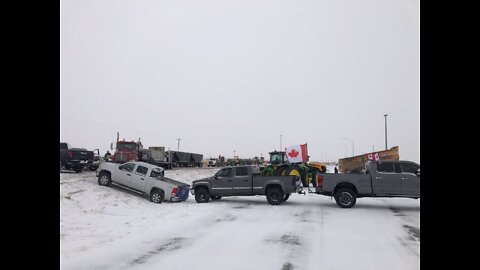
{"type": "Point", "coordinates": [104, 179]}
{"type": "Point", "coordinates": [345, 198]}
{"type": "Point", "coordinates": [285, 197]}
{"type": "Point", "coordinates": [215, 197]}
{"type": "Point", "coordinates": [78, 169]}
{"type": "Point", "coordinates": [202, 195]}
{"type": "Point", "coordinates": [157, 196]}
{"type": "Point", "coordinates": [275, 196]}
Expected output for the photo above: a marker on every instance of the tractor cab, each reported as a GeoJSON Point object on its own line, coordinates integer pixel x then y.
{"type": "Point", "coordinates": [277, 157]}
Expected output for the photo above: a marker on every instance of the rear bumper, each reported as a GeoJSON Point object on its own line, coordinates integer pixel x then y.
{"type": "Point", "coordinates": [78, 163]}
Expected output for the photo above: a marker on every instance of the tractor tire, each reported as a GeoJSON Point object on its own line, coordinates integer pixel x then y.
{"type": "Point", "coordinates": [295, 170]}
{"type": "Point", "coordinates": [282, 171]}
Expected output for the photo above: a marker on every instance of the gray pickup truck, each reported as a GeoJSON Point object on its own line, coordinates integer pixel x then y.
{"type": "Point", "coordinates": [245, 181]}
{"type": "Point", "coordinates": [380, 179]}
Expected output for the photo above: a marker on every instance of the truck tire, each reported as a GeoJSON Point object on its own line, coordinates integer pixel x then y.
{"type": "Point", "coordinates": [275, 196]}
{"type": "Point", "coordinates": [157, 196]}
{"type": "Point", "coordinates": [202, 195]}
{"type": "Point", "coordinates": [215, 197]}
{"type": "Point", "coordinates": [285, 197]}
{"type": "Point", "coordinates": [104, 179]}
{"type": "Point", "coordinates": [345, 198]}
{"type": "Point", "coordinates": [78, 169]}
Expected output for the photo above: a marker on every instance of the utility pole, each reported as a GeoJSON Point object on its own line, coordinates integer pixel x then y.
{"type": "Point", "coordinates": [386, 146]}
{"type": "Point", "coordinates": [178, 146]}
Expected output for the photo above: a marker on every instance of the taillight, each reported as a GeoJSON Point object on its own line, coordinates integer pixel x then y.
{"type": "Point", "coordinates": [70, 154]}
{"type": "Point", "coordinates": [320, 180]}
{"type": "Point", "coordinates": [174, 191]}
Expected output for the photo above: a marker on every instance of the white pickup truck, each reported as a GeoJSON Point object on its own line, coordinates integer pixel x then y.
{"type": "Point", "coordinates": [143, 178]}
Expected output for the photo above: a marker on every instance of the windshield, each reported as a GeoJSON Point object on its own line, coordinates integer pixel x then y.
{"type": "Point", "coordinates": [126, 146]}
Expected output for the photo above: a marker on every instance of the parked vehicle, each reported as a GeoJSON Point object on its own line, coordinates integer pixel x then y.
{"type": "Point", "coordinates": [245, 181]}
{"type": "Point", "coordinates": [381, 179]}
{"type": "Point", "coordinates": [143, 178]}
{"type": "Point", "coordinates": [97, 159]}
{"type": "Point", "coordinates": [213, 162]}
{"type": "Point", "coordinates": [74, 158]}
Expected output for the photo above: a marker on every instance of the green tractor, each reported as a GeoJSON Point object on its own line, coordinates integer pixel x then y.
{"type": "Point", "coordinates": [280, 166]}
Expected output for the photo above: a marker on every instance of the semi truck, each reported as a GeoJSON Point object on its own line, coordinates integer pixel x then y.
{"type": "Point", "coordinates": [133, 151]}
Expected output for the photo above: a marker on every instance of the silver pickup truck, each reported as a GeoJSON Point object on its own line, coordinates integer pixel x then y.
{"type": "Point", "coordinates": [245, 181]}
{"type": "Point", "coordinates": [143, 178]}
{"type": "Point", "coordinates": [380, 179]}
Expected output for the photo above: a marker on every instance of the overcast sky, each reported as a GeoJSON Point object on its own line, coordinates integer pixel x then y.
{"type": "Point", "coordinates": [227, 75]}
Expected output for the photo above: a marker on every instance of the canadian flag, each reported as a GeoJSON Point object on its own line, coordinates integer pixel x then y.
{"type": "Point", "coordinates": [297, 153]}
{"type": "Point", "coordinates": [373, 156]}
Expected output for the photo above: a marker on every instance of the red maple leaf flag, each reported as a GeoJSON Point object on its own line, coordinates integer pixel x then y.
{"type": "Point", "coordinates": [297, 153]}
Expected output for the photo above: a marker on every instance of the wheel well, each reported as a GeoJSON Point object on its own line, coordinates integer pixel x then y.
{"type": "Point", "coordinates": [106, 172]}
{"type": "Point", "coordinates": [199, 187]}
{"type": "Point", "coordinates": [345, 185]}
{"type": "Point", "coordinates": [156, 188]}
{"type": "Point", "coordinates": [272, 186]}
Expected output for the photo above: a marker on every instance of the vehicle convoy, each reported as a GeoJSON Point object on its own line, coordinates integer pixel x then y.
{"type": "Point", "coordinates": [381, 179]}
{"type": "Point", "coordinates": [74, 158]}
{"type": "Point", "coordinates": [245, 181]}
{"type": "Point", "coordinates": [134, 151]}
{"type": "Point", "coordinates": [294, 161]}
{"type": "Point", "coordinates": [143, 178]}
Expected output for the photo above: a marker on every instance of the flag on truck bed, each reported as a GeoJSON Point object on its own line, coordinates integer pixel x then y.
{"type": "Point", "coordinates": [297, 153]}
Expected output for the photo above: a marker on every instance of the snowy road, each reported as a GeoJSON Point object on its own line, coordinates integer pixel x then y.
{"type": "Point", "coordinates": [111, 228]}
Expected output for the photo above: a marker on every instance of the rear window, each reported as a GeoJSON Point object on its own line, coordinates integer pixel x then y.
{"type": "Point", "coordinates": [385, 167]}
{"type": "Point", "coordinates": [409, 167]}
{"type": "Point", "coordinates": [142, 170]}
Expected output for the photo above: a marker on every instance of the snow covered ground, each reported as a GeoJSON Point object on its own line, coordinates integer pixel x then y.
{"type": "Point", "coordinates": [112, 228]}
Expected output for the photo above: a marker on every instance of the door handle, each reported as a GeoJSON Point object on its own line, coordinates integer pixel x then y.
{"type": "Point", "coordinates": [404, 178]}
